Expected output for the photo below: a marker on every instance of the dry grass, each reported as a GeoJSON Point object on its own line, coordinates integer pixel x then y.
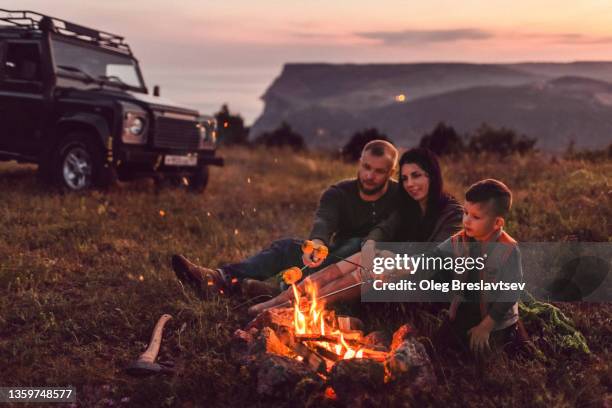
{"type": "Point", "coordinates": [83, 278]}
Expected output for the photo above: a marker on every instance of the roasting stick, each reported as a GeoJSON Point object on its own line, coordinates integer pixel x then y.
{"type": "Point", "coordinates": [289, 302]}
{"type": "Point", "coordinates": [335, 292]}
{"type": "Point", "coordinates": [292, 275]}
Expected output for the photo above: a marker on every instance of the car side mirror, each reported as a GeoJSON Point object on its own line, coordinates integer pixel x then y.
{"type": "Point", "coordinates": [156, 90]}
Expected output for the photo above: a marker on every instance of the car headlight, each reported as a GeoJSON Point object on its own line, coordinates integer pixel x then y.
{"type": "Point", "coordinates": [137, 126]}
{"type": "Point", "coordinates": [134, 127]}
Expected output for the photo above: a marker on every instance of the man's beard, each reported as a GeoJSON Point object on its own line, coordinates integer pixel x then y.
{"type": "Point", "coordinates": [371, 191]}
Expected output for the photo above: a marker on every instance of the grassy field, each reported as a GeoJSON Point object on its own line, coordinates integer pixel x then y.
{"type": "Point", "coordinates": [83, 278]}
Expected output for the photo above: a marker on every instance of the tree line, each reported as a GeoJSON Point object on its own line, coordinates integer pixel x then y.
{"type": "Point", "coordinates": [443, 139]}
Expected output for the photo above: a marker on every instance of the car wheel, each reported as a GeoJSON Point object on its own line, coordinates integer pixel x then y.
{"type": "Point", "coordinates": [198, 180]}
{"type": "Point", "coordinates": [79, 164]}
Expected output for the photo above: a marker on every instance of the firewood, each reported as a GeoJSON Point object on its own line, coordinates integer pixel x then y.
{"type": "Point", "coordinates": [375, 355]}
{"type": "Point", "coordinates": [317, 337]}
{"type": "Point", "coordinates": [311, 358]}
{"type": "Point", "coordinates": [349, 323]}
{"type": "Point", "coordinates": [356, 335]}
{"type": "Point", "coordinates": [267, 342]}
{"type": "Point", "coordinates": [330, 355]}
{"type": "Point", "coordinates": [378, 340]}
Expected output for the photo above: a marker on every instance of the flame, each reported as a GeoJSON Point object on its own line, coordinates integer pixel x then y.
{"type": "Point", "coordinates": [312, 321]}
{"type": "Point", "coordinates": [299, 320]}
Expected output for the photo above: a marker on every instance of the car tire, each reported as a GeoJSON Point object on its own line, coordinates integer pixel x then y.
{"type": "Point", "coordinates": [79, 164]}
{"type": "Point", "coordinates": [198, 180]}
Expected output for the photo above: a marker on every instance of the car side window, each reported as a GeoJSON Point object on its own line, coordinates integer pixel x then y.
{"type": "Point", "coordinates": [22, 62]}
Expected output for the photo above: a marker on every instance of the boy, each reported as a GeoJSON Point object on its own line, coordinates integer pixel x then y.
{"type": "Point", "coordinates": [478, 315]}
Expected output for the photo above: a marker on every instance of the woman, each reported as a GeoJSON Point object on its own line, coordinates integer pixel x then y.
{"type": "Point", "coordinates": [427, 214]}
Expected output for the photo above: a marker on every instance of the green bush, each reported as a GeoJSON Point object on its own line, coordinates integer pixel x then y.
{"type": "Point", "coordinates": [231, 127]}
{"type": "Point", "coordinates": [352, 149]}
{"type": "Point", "coordinates": [283, 136]}
{"type": "Point", "coordinates": [503, 141]}
{"type": "Point", "coordinates": [443, 140]}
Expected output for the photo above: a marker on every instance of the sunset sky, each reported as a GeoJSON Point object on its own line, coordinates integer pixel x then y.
{"type": "Point", "coordinates": [206, 53]}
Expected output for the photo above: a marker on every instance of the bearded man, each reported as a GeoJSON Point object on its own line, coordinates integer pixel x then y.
{"type": "Point", "coordinates": [347, 216]}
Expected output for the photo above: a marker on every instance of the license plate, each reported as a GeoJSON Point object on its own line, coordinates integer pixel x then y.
{"type": "Point", "coordinates": [187, 160]}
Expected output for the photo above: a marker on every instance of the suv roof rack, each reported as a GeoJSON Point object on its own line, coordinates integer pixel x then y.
{"type": "Point", "coordinates": [31, 20]}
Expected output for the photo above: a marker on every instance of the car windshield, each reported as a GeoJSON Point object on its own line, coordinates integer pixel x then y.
{"type": "Point", "coordinates": [99, 65]}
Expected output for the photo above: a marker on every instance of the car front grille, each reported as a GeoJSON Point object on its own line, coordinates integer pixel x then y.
{"type": "Point", "coordinates": [173, 133]}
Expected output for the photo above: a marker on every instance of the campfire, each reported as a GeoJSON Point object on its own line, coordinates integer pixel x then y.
{"type": "Point", "coordinates": [285, 348]}
{"type": "Point", "coordinates": [320, 334]}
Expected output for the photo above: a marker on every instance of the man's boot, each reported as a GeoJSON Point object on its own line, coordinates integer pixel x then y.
{"type": "Point", "coordinates": [252, 288]}
{"type": "Point", "coordinates": [202, 280]}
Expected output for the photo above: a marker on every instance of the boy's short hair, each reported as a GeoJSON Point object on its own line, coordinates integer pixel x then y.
{"type": "Point", "coordinates": [380, 148]}
{"type": "Point", "coordinates": [491, 190]}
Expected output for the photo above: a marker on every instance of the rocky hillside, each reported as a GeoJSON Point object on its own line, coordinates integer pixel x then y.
{"type": "Point", "coordinates": [554, 103]}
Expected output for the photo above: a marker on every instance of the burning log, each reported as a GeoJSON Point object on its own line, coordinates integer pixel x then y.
{"type": "Point", "coordinates": [267, 342]}
{"type": "Point", "coordinates": [375, 355]}
{"type": "Point", "coordinates": [354, 335]}
{"type": "Point", "coordinates": [313, 360]}
{"type": "Point", "coordinates": [349, 323]}
{"type": "Point", "coordinates": [328, 355]}
{"type": "Point", "coordinates": [377, 340]}
{"type": "Point", "coordinates": [286, 336]}
{"type": "Point", "coordinates": [400, 335]}
{"type": "Point", "coordinates": [316, 337]}
{"type": "Point", "coordinates": [353, 339]}
{"type": "Point", "coordinates": [273, 318]}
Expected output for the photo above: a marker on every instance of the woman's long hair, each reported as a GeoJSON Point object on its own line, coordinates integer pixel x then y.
{"type": "Point", "coordinates": [436, 197]}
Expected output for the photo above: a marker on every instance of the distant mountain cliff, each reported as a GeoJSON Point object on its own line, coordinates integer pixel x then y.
{"type": "Point", "coordinates": [555, 103]}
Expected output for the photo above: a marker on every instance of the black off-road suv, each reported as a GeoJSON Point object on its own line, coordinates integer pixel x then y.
{"type": "Point", "coordinates": [73, 100]}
